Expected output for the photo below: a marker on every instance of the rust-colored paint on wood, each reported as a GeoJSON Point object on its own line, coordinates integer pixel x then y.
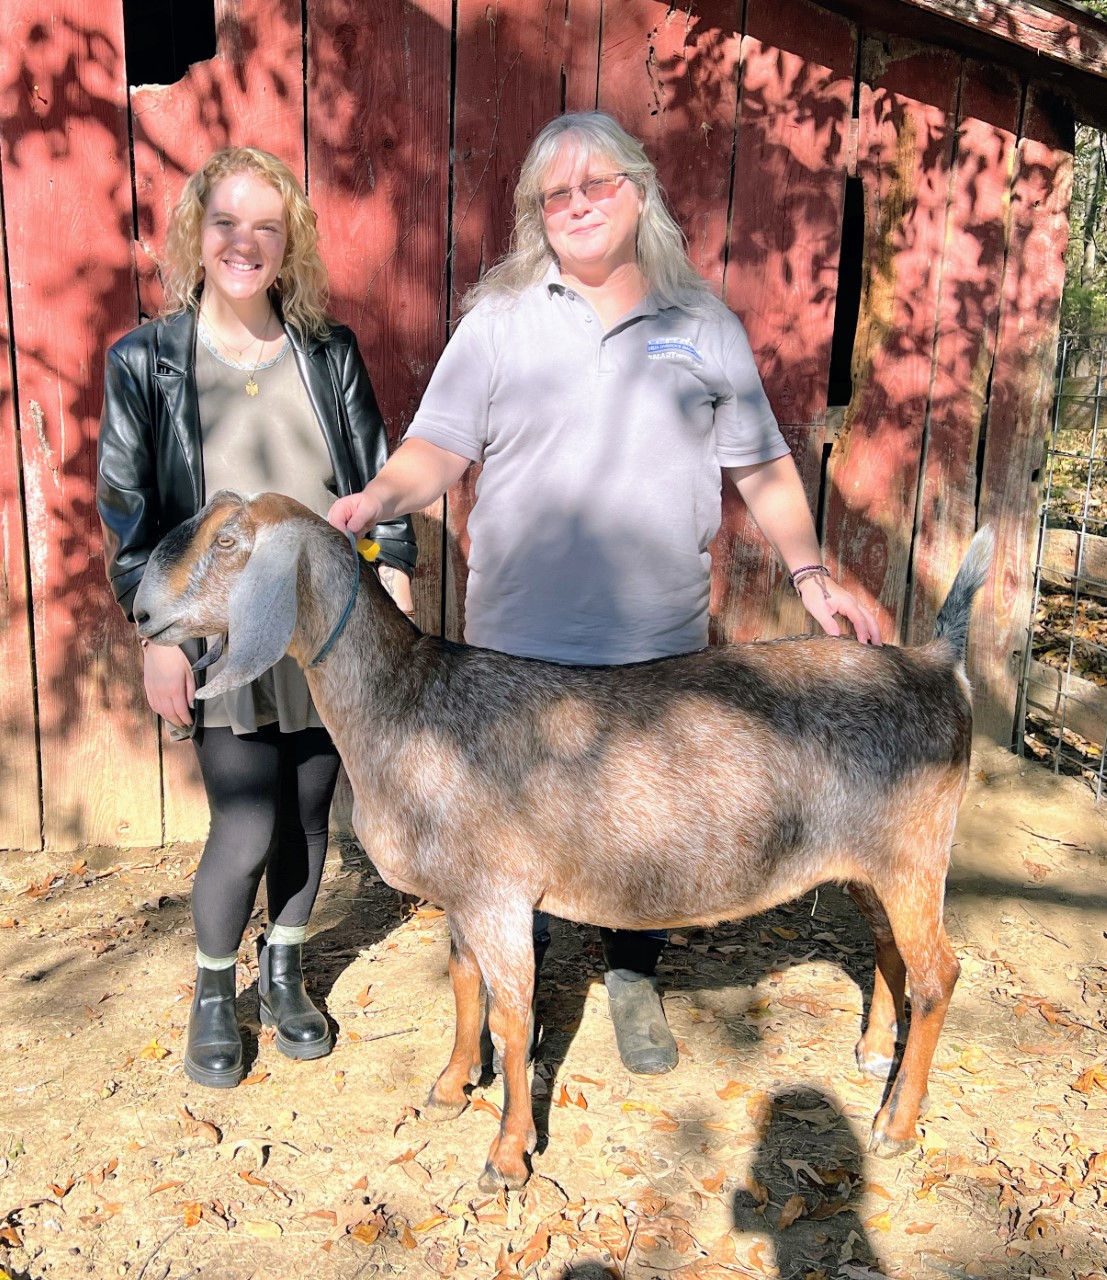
{"type": "Point", "coordinates": [781, 278]}
{"type": "Point", "coordinates": [378, 165]}
{"type": "Point", "coordinates": [669, 75]}
{"type": "Point", "coordinates": [964, 347]}
{"type": "Point", "coordinates": [20, 815]}
{"type": "Point", "coordinates": [905, 151]}
{"type": "Point", "coordinates": [513, 74]}
{"type": "Point", "coordinates": [1021, 394]}
{"type": "Point", "coordinates": [66, 187]}
{"type": "Point", "coordinates": [251, 92]}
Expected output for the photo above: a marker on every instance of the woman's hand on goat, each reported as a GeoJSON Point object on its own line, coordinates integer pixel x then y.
{"type": "Point", "coordinates": [825, 601]}
{"type": "Point", "coordinates": [416, 475]}
{"type": "Point", "coordinates": [355, 513]}
{"type": "Point", "coordinates": [170, 684]}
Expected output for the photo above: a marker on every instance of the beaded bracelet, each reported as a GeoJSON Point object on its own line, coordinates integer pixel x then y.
{"type": "Point", "coordinates": [807, 571]}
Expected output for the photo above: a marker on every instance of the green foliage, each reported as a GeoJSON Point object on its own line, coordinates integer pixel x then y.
{"type": "Point", "coordinates": [1084, 302]}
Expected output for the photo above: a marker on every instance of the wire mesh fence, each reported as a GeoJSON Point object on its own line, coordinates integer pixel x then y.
{"type": "Point", "coordinates": [1063, 690]}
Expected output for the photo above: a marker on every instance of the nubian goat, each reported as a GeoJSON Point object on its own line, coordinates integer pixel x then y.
{"type": "Point", "coordinates": [678, 792]}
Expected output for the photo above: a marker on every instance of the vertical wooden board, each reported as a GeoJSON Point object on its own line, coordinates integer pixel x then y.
{"type": "Point", "coordinates": [20, 816]}
{"type": "Point", "coordinates": [908, 96]}
{"type": "Point", "coordinates": [519, 64]}
{"type": "Point", "coordinates": [797, 84]}
{"type": "Point", "coordinates": [668, 74]}
{"type": "Point", "coordinates": [68, 213]}
{"type": "Point", "coordinates": [1021, 395]}
{"type": "Point", "coordinates": [251, 92]}
{"type": "Point", "coordinates": [378, 160]}
{"type": "Point", "coordinates": [968, 314]}
{"type": "Point", "coordinates": [516, 61]}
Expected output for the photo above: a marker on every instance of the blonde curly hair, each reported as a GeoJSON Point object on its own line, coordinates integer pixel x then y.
{"type": "Point", "coordinates": [301, 288]}
{"type": "Point", "coordinates": [662, 249]}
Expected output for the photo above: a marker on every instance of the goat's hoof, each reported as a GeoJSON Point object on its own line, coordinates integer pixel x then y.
{"type": "Point", "coordinates": [885, 1147]}
{"type": "Point", "coordinates": [436, 1110]}
{"type": "Point", "coordinates": [877, 1065]}
{"type": "Point", "coordinates": [492, 1179]}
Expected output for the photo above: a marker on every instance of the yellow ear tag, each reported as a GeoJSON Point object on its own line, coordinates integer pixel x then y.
{"type": "Point", "coordinates": [368, 549]}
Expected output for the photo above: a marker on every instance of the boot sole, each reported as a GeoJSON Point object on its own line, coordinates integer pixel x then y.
{"type": "Point", "coordinates": [298, 1049]}
{"type": "Point", "coordinates": [213, 1079]}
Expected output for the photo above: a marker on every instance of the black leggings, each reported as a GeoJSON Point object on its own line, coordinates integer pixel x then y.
{"type": "Point", "coordinates": [270, 796]}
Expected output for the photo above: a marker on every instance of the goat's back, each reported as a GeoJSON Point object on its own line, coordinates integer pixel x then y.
{"type": "Point", "coordinates": [686, 789]}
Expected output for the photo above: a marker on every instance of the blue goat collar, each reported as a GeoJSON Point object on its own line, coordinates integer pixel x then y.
{"type": "Point", "coordinates": [341, 624]}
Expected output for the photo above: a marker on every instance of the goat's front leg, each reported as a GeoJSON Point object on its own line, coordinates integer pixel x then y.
{"type": "Point", "coordinates": [448, 1097]}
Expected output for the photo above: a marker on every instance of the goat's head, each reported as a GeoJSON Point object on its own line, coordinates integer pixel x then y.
{"type": "Point", "coordinates": [231, 570]}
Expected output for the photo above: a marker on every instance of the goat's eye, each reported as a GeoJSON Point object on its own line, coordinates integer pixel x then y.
{"type": "Point", "coordinates": [225, 541]}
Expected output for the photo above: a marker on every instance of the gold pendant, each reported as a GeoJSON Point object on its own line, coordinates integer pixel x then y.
{"type": "Point", "coordinates": [251, 386]}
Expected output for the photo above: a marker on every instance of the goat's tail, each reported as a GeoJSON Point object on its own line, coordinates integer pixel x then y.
{"type": "Point", "coordinates": [953, 617]}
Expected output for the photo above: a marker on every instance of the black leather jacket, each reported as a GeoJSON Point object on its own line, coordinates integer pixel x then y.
{"type": "Point", "coordinates": [150, 470]}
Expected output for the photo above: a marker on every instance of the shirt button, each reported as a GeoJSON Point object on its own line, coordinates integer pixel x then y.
{"type": "Point", "coordinates": [570, 295]}
{"type": "Point", "coordinates": [587, 319]}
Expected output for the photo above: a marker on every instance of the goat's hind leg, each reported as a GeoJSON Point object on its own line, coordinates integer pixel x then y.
{"type": "Point", "coordinates": [448, 1097]}
{"type": "Point", "coordinates": [932, 972]}
{"type": "Point", "coordinates": [876, 1049]}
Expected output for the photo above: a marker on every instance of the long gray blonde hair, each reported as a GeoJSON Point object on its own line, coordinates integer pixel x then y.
{"type": "Point", "coordinates": [662, 249]}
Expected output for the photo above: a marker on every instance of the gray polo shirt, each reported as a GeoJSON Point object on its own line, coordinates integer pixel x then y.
{"type": "Point", "coordinates": [600, 490]}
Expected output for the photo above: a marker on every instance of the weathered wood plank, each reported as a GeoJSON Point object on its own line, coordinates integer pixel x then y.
{"type": "Point", "coordinates": [1080, 705]}
{"type": "Point", "coordinates": [670, 77]}
{"type": "Point", "coordinates": [905, 146]}
{"type": "Point", "coordinates": [1067, 555]}
{"type": "Point", "coordinates": [1022, 384]}
{"type": "Point", "coordinates": [1053, 31]}
{"type": "Point", "coordinates": [68, 212]}
{"type": "Point", "coordinates": [964, 342]}
{"type": "Point", "coordinates": [513, 74]}
{"type": "Point", "coordinates": [20, 815]}
{"type": "Point", "coordinates": [250, 92]}
{"type": "Point", "coordinates": [378, 160]}
{"type": "Point", "coordinates": [781, 276]}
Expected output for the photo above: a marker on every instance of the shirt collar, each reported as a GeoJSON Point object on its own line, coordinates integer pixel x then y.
{"type": "Point", "coordinates": [553, 284]}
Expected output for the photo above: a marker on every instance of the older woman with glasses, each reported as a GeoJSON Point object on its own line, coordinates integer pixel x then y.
{"type": "Point", "coordinates": [608, 395]}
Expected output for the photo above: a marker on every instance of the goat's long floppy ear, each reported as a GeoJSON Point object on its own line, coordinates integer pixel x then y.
{"type": "Point", "coordinates": [261, 609]}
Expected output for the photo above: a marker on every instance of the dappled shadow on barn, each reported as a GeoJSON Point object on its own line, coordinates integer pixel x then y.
{"type": "Point", "coordinates": [751, 129]}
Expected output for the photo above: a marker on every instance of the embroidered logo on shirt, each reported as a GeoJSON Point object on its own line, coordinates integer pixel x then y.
{"type": "Point", "coordinates": [672, 349]}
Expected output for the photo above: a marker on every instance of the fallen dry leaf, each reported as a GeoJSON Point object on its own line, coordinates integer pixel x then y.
{"type": "Point", "coordinates": [732, 1089]}
{"type": "Point", "coordinates": [1093, 1078]}
{"type": "Point", "coordinates": [263, 1229]}
{"type": "Point", "coordinates": [200, 1128]}
{"type": "Point", "coordinates": [794, 1207]}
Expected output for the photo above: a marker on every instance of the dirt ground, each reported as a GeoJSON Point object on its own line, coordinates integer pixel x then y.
{"type": "Point", "coordinates": [748, 1160]}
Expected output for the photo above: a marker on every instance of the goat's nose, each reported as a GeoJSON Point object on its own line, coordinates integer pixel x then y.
{"type": "Point", "coordinates": [141, 617]}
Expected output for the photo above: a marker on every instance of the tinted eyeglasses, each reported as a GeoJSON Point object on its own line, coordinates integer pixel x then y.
{"type": "Point", "coordinates": [601, 187]}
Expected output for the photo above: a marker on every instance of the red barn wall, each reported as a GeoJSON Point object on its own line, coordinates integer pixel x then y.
{"type": "Point", "coordinates": [756, 114]}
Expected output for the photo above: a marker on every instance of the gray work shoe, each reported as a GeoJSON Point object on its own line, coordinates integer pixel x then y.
{"type": "Point", "coordinates": [646, 1044]}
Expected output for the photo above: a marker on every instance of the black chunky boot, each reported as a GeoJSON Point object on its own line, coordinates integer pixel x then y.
{"type": "Point", "coordinates": [646, 1045]}
{"type": "Point", "coordinates": [302, 1031]}
{"type": "Point", "coordinates": [213, 1056]}
{"type": "Point", "coordinates": [489, 1056]}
